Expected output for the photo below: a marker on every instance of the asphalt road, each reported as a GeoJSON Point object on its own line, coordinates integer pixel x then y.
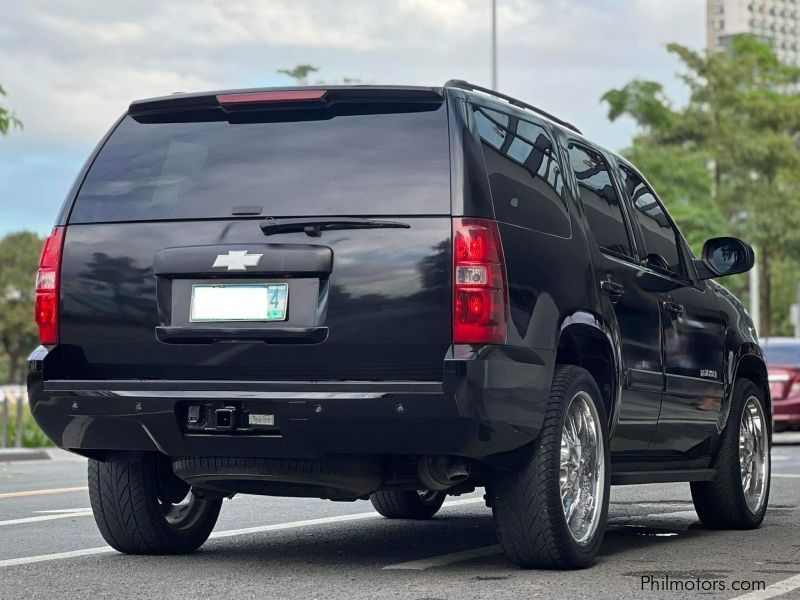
{"type": "Point", "coordinates": [290, 548]}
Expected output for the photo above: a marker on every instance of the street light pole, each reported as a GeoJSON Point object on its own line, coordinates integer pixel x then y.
{"type": "Point", "coordinates": [494, 44]}
{"type": "Point", "coordinates": [755, 294]}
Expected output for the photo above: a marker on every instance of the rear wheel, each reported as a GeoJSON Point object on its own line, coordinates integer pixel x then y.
{"type": "Point", "coordinates": [405, 504]}
{"type": "Point", "coordinates": [141, 507]}
{"type": "Point", "coordinates": [551, 512]}
{"type": "Point", "coordinates": [738, 495]}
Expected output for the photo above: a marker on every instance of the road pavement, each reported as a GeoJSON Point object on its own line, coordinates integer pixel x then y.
{"type": "Point", "coordinates": [298, 548]}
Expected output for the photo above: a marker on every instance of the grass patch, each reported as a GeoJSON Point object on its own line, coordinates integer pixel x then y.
{"type": "Point", "coordinates": [32, 436]}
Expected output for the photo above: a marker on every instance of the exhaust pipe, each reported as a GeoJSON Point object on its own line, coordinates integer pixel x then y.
{"type": "Point", "coordinates": [440, 472]}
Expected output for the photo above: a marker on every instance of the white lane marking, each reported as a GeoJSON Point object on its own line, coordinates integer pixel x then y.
{"type": "Point", "coordinates": [446, 559]}
{"type": "Point", "coordinates": [42, 492]}
{"type": "Point", "coordinates": [786, 475]}
{"type": "Point", "coordinates": [61, 514]}
{"type": "Point", "coordinates": [776, 589]}
{"type": "Point", "coordinates": [27, 560]}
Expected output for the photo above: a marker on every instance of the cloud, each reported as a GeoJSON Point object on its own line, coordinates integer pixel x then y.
{"type": "Point", "coordinates": [71, 67]}
{"type": "Point", "coordinates": [91, 34]}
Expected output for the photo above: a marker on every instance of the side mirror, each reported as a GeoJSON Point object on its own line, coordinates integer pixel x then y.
{"type": "Point", "coordinates": [724, 256]}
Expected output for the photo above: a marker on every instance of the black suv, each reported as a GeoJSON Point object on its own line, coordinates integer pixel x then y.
{"type": "Point", "coordinates": [393, 293]}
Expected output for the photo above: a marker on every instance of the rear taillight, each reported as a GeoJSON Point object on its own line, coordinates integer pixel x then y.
{"type": "Point", "coordinates": [47, 287]}
{"type": "Point", "coordinates": [480, 314]}
{"type": "Point", "coordinates": [795, 387]}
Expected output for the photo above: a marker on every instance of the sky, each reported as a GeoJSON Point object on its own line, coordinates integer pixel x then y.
{"type": "Point", "coordinates": [71, 67]}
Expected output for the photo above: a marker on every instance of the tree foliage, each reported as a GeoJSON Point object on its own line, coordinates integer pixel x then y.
{"type": "Point", "coordinates": [19, 257]}
{"type": "Point", "coordinates": [299, 73]}
{"type": "Point", "coordinates": [8, 120]}
{"type": "Point", "coordinates": [728, 161]}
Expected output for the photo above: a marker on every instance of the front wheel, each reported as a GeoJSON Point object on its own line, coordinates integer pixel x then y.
{"type": "Point", "coordinates": [141, 507]}
{"type": "Point", "coordinates": [551, 511]}
{"type": "Point", "coordinates": [738, 495]}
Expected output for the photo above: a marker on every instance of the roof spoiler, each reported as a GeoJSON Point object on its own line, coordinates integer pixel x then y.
{"type": "Point", "coordinates": [282, 98]}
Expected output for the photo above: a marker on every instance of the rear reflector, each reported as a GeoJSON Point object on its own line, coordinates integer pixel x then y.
{"type": "Point", "coordinates": [47, 287]}
{"type": "Point", "coordinates": [480, 313]}
{"type": "Point", "coordinates": [264, 97]}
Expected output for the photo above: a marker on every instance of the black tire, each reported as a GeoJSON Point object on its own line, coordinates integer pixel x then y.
{"type": "Point", "coordinates": [405, 504]}
{"type": "Point", "coordinates": [136, 501]}
{"type": "Point", "coordinates": [721, 503]}
{"type": "Point", "coordinates": [526, 503]}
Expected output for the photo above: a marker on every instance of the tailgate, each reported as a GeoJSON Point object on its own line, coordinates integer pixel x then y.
{"type": "Point", "coordinates": [383, 308]}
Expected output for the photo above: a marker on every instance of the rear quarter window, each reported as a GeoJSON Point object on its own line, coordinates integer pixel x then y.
{"type": "Point", "coordinates": [393, 162]}
{"type": "Point", "coordinates": [525, 177]}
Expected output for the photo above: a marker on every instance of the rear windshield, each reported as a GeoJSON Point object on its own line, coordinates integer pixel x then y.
{"type": "Point", "coordinates": [355, 164]}
{"type": "Point", "coordinates": [783, 354]}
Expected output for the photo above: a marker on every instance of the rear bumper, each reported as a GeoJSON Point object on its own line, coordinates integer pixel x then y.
{"type": "Point", "coordinates": [488, 403]}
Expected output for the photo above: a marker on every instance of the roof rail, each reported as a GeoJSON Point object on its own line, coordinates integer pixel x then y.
{"type": "Point", "coordinates": [465, 85]}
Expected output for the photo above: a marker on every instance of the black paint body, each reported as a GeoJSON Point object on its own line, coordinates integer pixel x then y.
{"type": "Point", "coordinates": [365, 363]}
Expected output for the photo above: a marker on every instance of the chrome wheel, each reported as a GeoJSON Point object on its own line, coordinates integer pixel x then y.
{"type": "Point", "coordinates": [754, 454]}
{"type": "Point", "coordinates": [582, 474]}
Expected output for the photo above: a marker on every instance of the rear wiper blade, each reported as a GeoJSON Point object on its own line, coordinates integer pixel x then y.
{"type": "Point", "coordinates": [313, 226]}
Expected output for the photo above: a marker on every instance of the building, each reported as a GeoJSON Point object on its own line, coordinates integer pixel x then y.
{"type": "Point", "coordinates": [774, 21]}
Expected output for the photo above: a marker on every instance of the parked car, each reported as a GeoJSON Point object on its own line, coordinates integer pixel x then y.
{"type": "Point", "coordinates": [783, 367]}
{"type": "Point", "coordinates": [393, 293]}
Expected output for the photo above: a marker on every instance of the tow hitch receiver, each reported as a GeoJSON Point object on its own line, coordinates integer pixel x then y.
{"type": "Point", "coordinates": [210, 417]}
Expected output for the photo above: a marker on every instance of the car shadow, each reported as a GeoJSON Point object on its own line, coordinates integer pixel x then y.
{"type": "Point", "coordinates": [379, 543]}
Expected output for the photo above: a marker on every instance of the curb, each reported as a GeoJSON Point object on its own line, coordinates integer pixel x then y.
{"type": "Point", "coordinates": [20, 454]}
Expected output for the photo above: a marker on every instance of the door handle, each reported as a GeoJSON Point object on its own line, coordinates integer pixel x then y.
{"type": "Point", "coordinates": [612, 290]}
{"type": "Point", "coordinates": [672, 308]}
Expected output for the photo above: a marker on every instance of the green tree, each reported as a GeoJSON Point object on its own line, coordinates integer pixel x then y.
{"type": "Point", "coordinates": [19, 256]}
{"type": "Point", "coordinates": [299, 73]}
{"type": "Point", "coordinates": [741, 123]}
{"type": "Point", "coordinates": [7, 119]}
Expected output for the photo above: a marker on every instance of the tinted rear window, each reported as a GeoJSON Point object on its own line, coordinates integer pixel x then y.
{"type": "Point", "coordinates": [354, 164]}
{"type": "Point", "coordinates": [524, 175]}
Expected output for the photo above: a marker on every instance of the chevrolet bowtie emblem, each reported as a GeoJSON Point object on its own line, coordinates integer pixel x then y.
{"type": "Point", "coordinates": [237, 260]}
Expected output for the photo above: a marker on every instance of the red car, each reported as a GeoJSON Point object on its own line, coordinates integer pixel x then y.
{"type": "Point", "coordinates": [783, 365]}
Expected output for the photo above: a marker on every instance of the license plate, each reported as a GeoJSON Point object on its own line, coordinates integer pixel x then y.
{"type": "Point", "coordinates": [239, 302]}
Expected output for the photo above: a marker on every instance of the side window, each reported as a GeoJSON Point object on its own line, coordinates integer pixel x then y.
{"type": "Point", "coordinates": [525, 178]}
{"type": "Point", "coordinates": [660, 237]}
{"type": "Point", "coordinates": [600, 201]}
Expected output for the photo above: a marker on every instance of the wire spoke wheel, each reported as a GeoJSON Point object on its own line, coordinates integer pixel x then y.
{"type": "Point", "coordinates": [582, 473]}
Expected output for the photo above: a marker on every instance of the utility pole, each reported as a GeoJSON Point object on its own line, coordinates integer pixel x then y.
{"type": "Point", "coordinates": [494, 44]}
{"type": "Point", "coordinates": [755, 294]}
{"type": "Point", "coordinates": [794, 313]}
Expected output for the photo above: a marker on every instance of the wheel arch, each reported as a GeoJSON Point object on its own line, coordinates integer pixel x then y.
{"type": "Point", "coordinates": [751, 365]}
{"type": "Point", "coordinates": [584, 341]}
